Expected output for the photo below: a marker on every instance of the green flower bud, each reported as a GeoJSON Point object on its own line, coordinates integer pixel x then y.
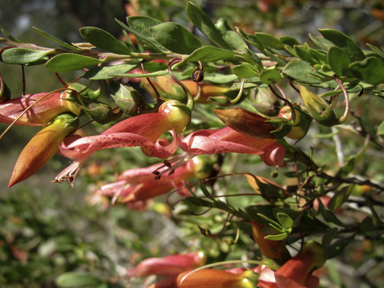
{"type": "Point", "coordinates": [267, 103]}
{"type": "Point", "coordinates": [100, 112]}
{"type": "Point", "coordinates": [129, 100]}
{"type": "Point", "coordinates": [302, 122]}
{"type": "Point", "coordinates": [318, 108]}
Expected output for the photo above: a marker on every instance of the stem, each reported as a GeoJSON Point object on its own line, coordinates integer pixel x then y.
{"type": "Point", "coordinates": [347, 105]}
{"type": "Point", "coordinates": [293, 112]}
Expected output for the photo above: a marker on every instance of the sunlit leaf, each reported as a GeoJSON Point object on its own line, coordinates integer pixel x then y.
{"type": "Point", "coordinates": [103, 40]}
{"type": "Point", "coordinates": [338, 60]}
{"type": "Point", "coordinates": [270, 76]}
{"type": "Point", "coordinates": [175, 37]}
{"type": "Point", "coordinates": [70, 62]}
{"type": "Point", "coordinates": [244, 70]}
{"type": "Point", "coordinates": [270, 41]}
{"type": "Point", "coordinates": [106, 72]}
{"type": "Point", "coordinates": [210, 54]}
{"type": "Point", "coordinates": [23, 56]}
{"type": "Point", "coordinates": [370, 70]}
{"type": "Point", "coordinates": [54, 39]}
{"type": "Point", "coordinates": [344, 42]}
{"type": "Point", "coordinates": [202, 22]}
{"type": "Point", "coordinates": [233, 39]}
{"type": "Point", "coordinates": [284, 220]}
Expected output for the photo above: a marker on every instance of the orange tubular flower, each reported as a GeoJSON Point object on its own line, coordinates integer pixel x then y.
{"type": "Point", "coordinates": [271, 249]}
{"type": "Point", "coordinates": [42, 147]}
{"type": "Point", "coordinates": [205, 278]}
{"type": "Point", "coordinates": [140, 184]}
{"type": "Point", "coordinates": [49, 106]}
{"type": "Point", "coordinates": [295, 272]}
{"type": "Point", "coordinates": [168, 265]}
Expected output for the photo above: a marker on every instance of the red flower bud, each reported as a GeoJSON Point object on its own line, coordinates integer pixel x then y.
{"type": "Point", "coordinates": [42, 147]}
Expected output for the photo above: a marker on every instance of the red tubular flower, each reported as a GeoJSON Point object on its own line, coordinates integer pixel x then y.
{"type": "Point", "coordinates": [169, 265]}
{"type": "Point", "coordinates": [42, 147]}
{"type": "Point", "coordinates": [142, 130]}
{"type": "Point", "coordinates": [140, 184]}
{"type": "Point", "coordinates": [205, 278]}
{"type": "Point", "coordinates": [271, 249]}
{"type": "Point", "coordinates": [295, 272]}
{"type": "Point", "coordinates": [39, 114]}
{"type": "Point", "coordinates": [227, 140]}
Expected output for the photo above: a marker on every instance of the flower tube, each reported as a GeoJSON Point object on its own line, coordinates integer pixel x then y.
{"type": "Point", "coordinates": [49, 106]}
{"type": "Point", "coordinates": [205, 278]}
{"type": "Point", "coordinates": [140, 184]}
{"type": "Point", "coordinates": [168, 265]}
{"type": "Point", "coordinates": [143, 130]}
{"type": "Point", "coordinates": [227, 140]}
{"type": "Point", "coordinates": [42, 147]}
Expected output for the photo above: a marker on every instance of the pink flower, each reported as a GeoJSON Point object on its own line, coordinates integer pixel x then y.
{"type": "Point", "coordinates": [227, 140]}
{"type": "Point", "coordinates": [49, 106]}
{"type": "Point", "coordinates": [143, 130]}
{"type": "Point", "coordinates": [295, 273]}
{"type": "Point", "coordinates": [168, 265]}
{"type": "Point", "coordinates": [140, 184]}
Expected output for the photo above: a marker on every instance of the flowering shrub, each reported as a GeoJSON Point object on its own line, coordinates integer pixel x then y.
{"type": "Point", "coordinates": [252, 94]}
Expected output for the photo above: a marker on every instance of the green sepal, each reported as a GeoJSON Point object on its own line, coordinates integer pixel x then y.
{"type": "Point", "coordinates": [128, 99]}
{"type": "Point", "coordinates": [100, 112]}
{"type": "Point", "coordinates": [86, 92]}
{"type": "Point", "coordinates": [283, 126]}
{"type": "Point", "coordinates": [221, 101]}
{"type": "Point", "coordinates": [5, 92]}
{"type": "Point", "coordinates": [318, 108]}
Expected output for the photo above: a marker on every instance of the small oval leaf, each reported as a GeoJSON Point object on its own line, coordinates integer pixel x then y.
{"type": "Point", "coordinates": [22, 55]}
{"type": "Point", "coordinates": [270, 76]}
{"type": "Point", "coordinates": [103, 40]}
{"type": "Point", "coordinates": [338, 60]}
{"type": "Point", "coordinates": [70, 62]}
{"type": "Point", "coordinates": [210, 54]}
{"type": "Point", "coordinates": [370, 70]}
{"type": "Point", "coordinates": [175, 37]}
{"type": "Point", "coordinates": [285, 220]}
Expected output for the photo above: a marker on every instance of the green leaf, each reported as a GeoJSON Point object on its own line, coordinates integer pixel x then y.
{"type": "Point", "coordinates": [70, 62]}
{"type": "Point", "coordinates": [211, 54]}
{"type": "Point", "coordinates": [329, 235]}
{"type": "Point", "coordinates": [233, 39]}
{"type": "Point", "coordinates": [338, 60]}
{"type": "Point", "coordinates": [300, 70]}
{"type": "Point", "coordinates": [328, 215]}
{"type": "Point", "coordinates": [23, 56]}
{"type": "Point", "coordinates": [202, 21]}
{"type": "Point", "coordinates": [344, 42]}
{"type": "Point", "coordinates": [320, 55]}
{"type": "Point", "coordinates": [340, 197]}
{"type": "Point", "coordinates": [9, 36]}
{"type": "Point", "coordinates": [220, 78]}
{"type": "Point", "coordinates": [290, 41]}
{"type": "Point", "coordinates": [252, 39]}
{"type": "Point", "coordinates": [321, 42]}
{"type": "Point", "coordinates": [76, 279]}
{"type": "Point", "coordinates": [337, 247]}
{"type": "Point", "coordinates": [270, 41]}
{"type": "Point", "coordinates": [270, 76]}
{"type": "Point", "coordinates": [106, 72]}
{"type": "Point", "coordinates": [351, 163]}
{"type": "Point", "coordinates": [245, 70]}
{"type": "Point", "coordinates": [285, 220]}
{"type": "Point", "coordinates": [380, 129]}
{"type": "Point", "coordinates": [305, 55]}
{"type": "Point", "coordinates": [375, 49]}
{"type": "Point", "coordinates": [54, 39]}
{"type": "Point", "coordinates": [175, 37]}
{"type": "Point", "coordinates": [103, 40]}
{"type": "Point", "coordinates": [139, 26]}
{"type": "Point", "coordinates": [370, 70]}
